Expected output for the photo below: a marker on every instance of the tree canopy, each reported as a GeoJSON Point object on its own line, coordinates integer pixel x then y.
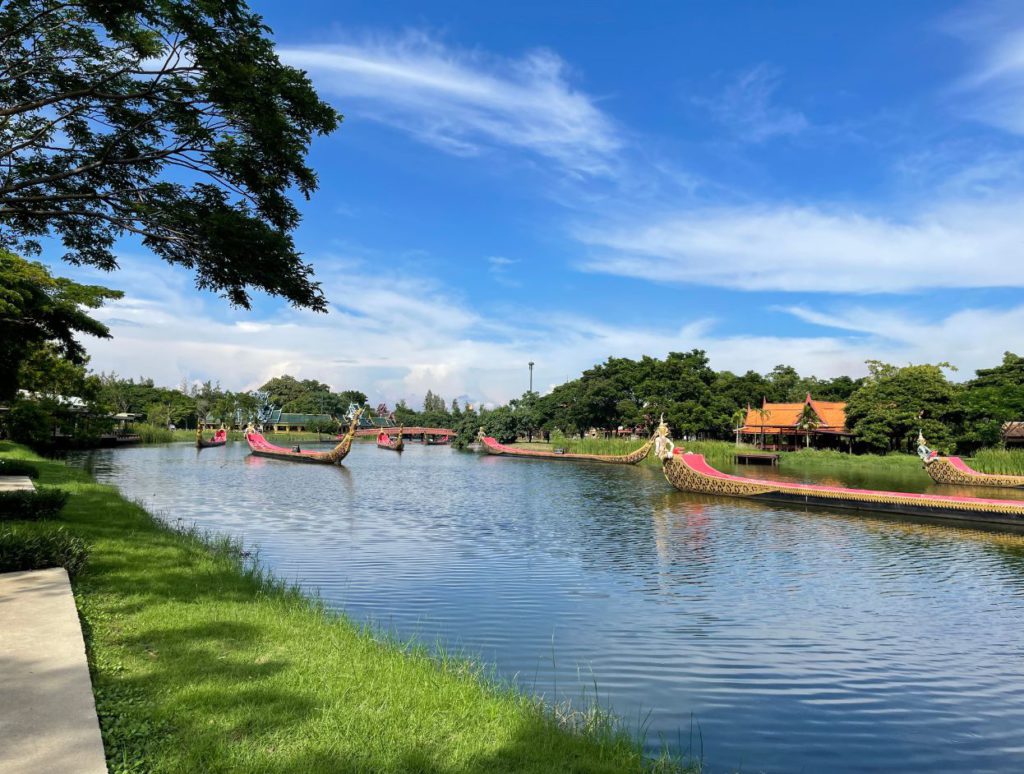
{"type": "Point", "coordinates": [39, 310]}
{"type": "Point", "coordinates": [172, 120]}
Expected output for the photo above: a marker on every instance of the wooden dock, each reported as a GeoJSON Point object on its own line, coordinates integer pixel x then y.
{"type": "Point", "coordinates": [757, 458]}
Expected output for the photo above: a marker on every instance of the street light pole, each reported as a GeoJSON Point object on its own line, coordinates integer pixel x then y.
{"type": "Point", "coordinates": [531, 376]}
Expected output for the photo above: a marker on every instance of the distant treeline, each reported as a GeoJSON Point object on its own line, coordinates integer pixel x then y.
{"type": "Point", "coordinates": [885, 409]}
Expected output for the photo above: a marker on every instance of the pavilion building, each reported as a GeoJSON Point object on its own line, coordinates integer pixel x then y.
{"type": "Point", "coordinates": [812, 423]}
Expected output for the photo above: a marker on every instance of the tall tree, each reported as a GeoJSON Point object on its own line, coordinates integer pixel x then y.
{"type": "Point", "coordinates": [37, 308]}
{"type": "Point", "coordinates": [887, 411]}
{"type": "Point", "coordinates": [172, 120]}
{"type": "Point", "coordinates": [993, 397]}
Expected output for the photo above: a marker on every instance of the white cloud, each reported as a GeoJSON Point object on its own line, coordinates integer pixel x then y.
{"type": "Point", "coordinates": [969, 338]}
{"type": "Point", "coordinates": [400, 336]}
{"type": "Point", "coordinates": [747, 107]}
{"type": "Point", "coordinates": [993, 90]}
{"type": "Point", "coordinates": [465, 101]}
{"type": "Point", "coordinates": [787, 248]}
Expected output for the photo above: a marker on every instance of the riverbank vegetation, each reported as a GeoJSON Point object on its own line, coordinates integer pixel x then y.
{"type": "Point", "coordinates": [201, 662]}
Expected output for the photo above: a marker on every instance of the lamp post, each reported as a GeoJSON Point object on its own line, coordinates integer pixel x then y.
{"type": "Point", "coordinates": [531, 376]}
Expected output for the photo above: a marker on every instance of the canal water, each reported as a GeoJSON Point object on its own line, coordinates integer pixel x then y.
{"type": "Point", "coordinates": [760, 638]}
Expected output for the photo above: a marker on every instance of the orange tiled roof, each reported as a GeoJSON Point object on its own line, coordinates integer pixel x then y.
{"type": "Point", "coordinates": [785, 416]}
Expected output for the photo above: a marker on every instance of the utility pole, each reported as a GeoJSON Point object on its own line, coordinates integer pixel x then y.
{"type": "Point", "coordinates": [531, 376]}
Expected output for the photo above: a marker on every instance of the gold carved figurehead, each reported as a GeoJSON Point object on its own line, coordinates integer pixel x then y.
{"type": "Point", "coordinates": [663, 446]}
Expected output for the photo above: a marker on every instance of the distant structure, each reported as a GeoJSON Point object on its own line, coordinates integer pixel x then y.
{"type": "Point", "coordinates": [1013, 434]}
{"type": "Point", "coordinates": [283, 422]}
{"type": "Point", "coordinates": [817, 424]}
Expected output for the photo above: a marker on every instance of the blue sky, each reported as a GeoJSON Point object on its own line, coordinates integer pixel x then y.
{"type": "Point", "coordinates": [806, 183]}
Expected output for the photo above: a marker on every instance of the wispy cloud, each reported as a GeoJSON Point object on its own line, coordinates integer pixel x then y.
{"type": "Point", "coordinates": [808, 249]}
{"type": "Point", "coordinates": [971, 338]}
{"type": "Point", "coordinates": [465, 101]}
{"type": "Point", "coordinates": [992, 91]}
{"type": "Point", "coordinates": [441, 343]}
{"type": "Point", "coordinates": [747, 107]}
{"type": "Point", "coordinates": [499, 270]}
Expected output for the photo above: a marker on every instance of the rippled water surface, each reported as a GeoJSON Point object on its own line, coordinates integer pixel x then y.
{"type": "Point", "coordinates": [769, 638]}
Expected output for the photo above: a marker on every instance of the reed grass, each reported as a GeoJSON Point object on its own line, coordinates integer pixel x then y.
{"type": "Point", "coordinates": [153, 433]}
{"type": "Point", "coordinates": [1005, 461]}
{"type": "Point", "coordinates": [810, 459]}
{"type": "Point", "coordinates": [202, 662]}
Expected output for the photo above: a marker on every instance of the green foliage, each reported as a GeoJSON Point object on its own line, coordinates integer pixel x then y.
{"type": "Point", "coordinates": [501, 424]}
{"type": "Point", "coordinates": [172, 120]}
{"type": "Point", "coordinates": [29, 422]}
{"type": "Point", "coordinates": [433, 404]}
{"type": "Point", "coordinates": [43, 503]}
{"type": "Point", "coordinates": [24, 549]}
{"type": "Point", "coordinates": [995, 396]}
{"type": "Point", "coordinates": [18, 468]}
{"type": "Point", "coordinates": [894, 403]}
{"type": "Point", "coordinates": [38, 310]}
{"type": "Point", "coordinates": [466, 429]}
{"type": "Point", "coordinates": [309, 396]}
{"type": "Point", "coordinates": [528, 414]}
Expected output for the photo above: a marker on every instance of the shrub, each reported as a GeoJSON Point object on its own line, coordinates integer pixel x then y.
{"type": "Point", "coordinates": [21, 549]}
{"type": "Point", "coordinates": [31, 505]}
{"type": "Point", "coordinates": [29, 423]}
{"type": "Point", "coordinates": [18, 468]}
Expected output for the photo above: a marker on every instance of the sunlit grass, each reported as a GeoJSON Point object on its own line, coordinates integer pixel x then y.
{"type": "Point", "coordinates": [1008, 461]}
{"type": "Point", "coordinates": [201, 662]}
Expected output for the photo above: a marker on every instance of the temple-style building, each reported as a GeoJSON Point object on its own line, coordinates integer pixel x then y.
{"type": "Point", "coordinates": [813, 423]}
{"type": "Point", "coordinates": [284, 422]}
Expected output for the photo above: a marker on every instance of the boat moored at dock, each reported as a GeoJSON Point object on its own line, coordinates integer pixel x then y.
{"type": "Point", "coordinates": [953, 470]}
{"type": "Point", "coordinates": [689, 472]}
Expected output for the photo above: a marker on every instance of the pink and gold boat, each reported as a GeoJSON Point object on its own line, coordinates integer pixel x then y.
{"type": "Point", "coordinates": [692, 473]}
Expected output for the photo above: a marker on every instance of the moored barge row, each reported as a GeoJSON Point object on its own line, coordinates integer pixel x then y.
{"type": "Point", "coordinates": [689, 472]}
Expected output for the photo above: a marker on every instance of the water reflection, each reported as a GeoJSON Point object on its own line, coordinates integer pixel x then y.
{"type": "Point", "coordinates": [799, 640]}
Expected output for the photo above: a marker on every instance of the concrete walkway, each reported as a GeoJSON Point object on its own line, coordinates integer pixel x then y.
{"type": "Point", "coordinates": [16, 483]}
{"type": "Point", "coordinates": [47, 713]}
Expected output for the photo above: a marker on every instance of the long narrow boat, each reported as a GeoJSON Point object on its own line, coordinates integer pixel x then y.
{"type": "Point", "coordinates": [219, 439]}
{"type": "Point", "coordinates": [438, 440]}
{"type": "Point", "coordinates": [692, 473]}
{"type": "Point", "coordinates": [261, 447]}
{"type": "Point", "coordinates": [953, 470]}
{"type": "Point", "coordinates": [491, 446]}
{"type": "Point", "coordinates": [385, 441]}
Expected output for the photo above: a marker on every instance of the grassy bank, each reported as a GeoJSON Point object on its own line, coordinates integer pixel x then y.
{"type": "Point", "coordinates": [200, 664]}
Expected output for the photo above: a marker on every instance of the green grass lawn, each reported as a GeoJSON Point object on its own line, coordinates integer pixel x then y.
{"type": "Point", "coordinates": [200, 665]}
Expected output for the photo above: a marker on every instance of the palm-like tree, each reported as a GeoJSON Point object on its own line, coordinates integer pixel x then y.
{"type": "Point", "coordinates": [763, 414]}
{"type": "Point", "coordinates": [739, 417]}
{"type": "Point", "coordinates": [808, 423]}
